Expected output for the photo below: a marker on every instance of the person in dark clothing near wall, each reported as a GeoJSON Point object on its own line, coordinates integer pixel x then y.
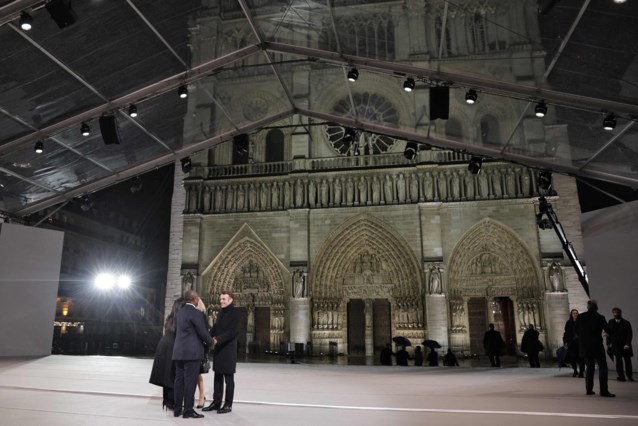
{"type": "Point", "coordinates": [386, 355]}
{"type": "Point", "coordinates": [493, 344]}
{"type": "Point", "coordinates": [589, 329]}
{"type": "Point", "coordinates": [571, 341]}
{"type": "Point", "coordinates": [224, 333]}
{"type": "Point", "coordinates": [619, 343]}
{"type": "Point", "coordinates": [531, 345]}
{"type": "Point", "coordinates": [402, 356]}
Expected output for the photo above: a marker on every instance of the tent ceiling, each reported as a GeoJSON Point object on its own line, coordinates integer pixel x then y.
{"type": "Point", "coordinates": [121, 52]}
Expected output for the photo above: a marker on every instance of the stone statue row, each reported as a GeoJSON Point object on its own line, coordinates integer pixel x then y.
{"type": "Point", "coordinates": [360, 190]}
{"type": "Point", "coordinates": [326, 315]}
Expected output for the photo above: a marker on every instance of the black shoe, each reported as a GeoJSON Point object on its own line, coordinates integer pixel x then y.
{"type": "Point", "coordinates": [608, 394]}
{"type": "Point", "coordinates": [214, 406]}
{"type": "Point", "coordinates": [621, 379]}
{"type": "Point", "coordinates": [575, 374]}
{"type": "Point", "coordinates": [591, 393]}
{"type": "Point", "coordinates": [225, 409]}
{"type": "Point", "coordinates": [177, 413]}
{"type": "Point", "coordinates": [192, 415]}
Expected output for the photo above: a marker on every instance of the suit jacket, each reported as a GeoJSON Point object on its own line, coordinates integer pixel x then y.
{"type": "Point", "coordinates": [225, 330]}
{"type": "Point", "coordinates": [621, 335]}
{"type": "Point", "coordinates": [191, 335]}
{"type": "Point", "coordinates": [589, 329]}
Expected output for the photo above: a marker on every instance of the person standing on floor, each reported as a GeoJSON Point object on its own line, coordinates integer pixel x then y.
{"type": "Point", "coordinates": [418, 356]}
{"type": "Point", "coordinates": [531, 345]}
{"type": "Point", "coordinates": [620, 345]}
{"type": "Point", "coordinates": [493, 344]}
{"type": "Point", "coordinates": [589, 329]}
{"type": "Point", "coordinates": [224, 334]}
{"type": "Point", "coordinates": [402, 356]}
{"type": "Point", "coordinates": [190, 338]}
{"type": "Point", "coordinates": [386, 355]}
{"type": "Point", "coordinates": [571, 341]}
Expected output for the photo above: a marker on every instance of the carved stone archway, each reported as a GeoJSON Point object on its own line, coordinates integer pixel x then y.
{"type": "Point", "coordinates": [248, 268]}
{"type": "Point", "coordinates": [365, 258]}
{"type": "Point", "coordinates": [490, 261]}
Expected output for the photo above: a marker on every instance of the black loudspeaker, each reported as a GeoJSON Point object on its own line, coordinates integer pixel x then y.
{"type": "Point", "coordinates": [439, 103]}
{"type": "Point", "coordinates": [108, 128]}
{"type": "Point", "coordinates": [240, 143]}
{"type": "Point", "coordinates": [61, 12]}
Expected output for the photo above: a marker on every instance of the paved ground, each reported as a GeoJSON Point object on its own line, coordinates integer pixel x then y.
{"type": "Point", "coordinates": [66, 391]}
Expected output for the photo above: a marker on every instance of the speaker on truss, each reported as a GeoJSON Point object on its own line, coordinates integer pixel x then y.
{"type": "Point", "coordinates": [439, 102]}
{"type": "Point", "coordinates": [61, 12]}
{"type": "Point", "coordinates": [108, 128]}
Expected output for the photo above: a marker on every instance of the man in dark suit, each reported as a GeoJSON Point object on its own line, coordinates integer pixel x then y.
{"type": "Point", "coordinates": [589, 329]}
{"type": "Point", "coordinates": [188, 353]}
{"type": "Point", "coordinates": [493, 344]}
{"type": "Point", "coordinates": [224, 334]}
{"type": "Point", "coordinates": [531, 345]}
{"type": "Point", "coordinates": [620, 345]}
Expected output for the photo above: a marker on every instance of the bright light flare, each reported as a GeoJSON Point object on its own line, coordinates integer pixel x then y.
{"type": "Point", "coordinates": [123, 282]}
{"type": "Point", "coordinates": [105, 281]}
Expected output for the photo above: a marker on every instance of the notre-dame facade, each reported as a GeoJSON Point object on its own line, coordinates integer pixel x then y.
{"type": "Point", "coordinates": [332, 236]}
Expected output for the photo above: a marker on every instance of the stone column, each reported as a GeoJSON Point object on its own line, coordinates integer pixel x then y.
{"type": "Point", "coordinates": [250, 328]}
{"type": "Point", "coordinates": [557, 313]}
{"type": "Point", "coordinates": [173, 276]}
{"type": "Point", "coordinates": [369, 333]}
{"type": "Point", "coordinates": [299, 320]}
{"type": "Point", "coordinates": [436, 318]}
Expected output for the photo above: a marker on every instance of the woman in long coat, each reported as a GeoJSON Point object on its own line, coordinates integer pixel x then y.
{"type": "Point", "coordinates": [570, 339]}
{"type": "Point", "coordinates": [163, 371]}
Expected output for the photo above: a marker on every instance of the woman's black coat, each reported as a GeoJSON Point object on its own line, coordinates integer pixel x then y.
{"type": "Point", "coordinates": [163, 371]}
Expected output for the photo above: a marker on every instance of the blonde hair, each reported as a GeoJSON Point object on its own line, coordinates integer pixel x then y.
{"type": "Point", "coordinates": [200, 306]}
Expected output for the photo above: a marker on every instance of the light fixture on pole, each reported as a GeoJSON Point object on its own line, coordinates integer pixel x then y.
{"type": "Point", "coordinates": [475, 164]}
{"type": "Point", "coordinates": [39, 147]}
{"type": "Point", "coordinates": [132, 111]}
{"type": "Point", "coordinates": [26, 21]}
{"type": "Point", "coordinates": [471, 96]}
{"type": "Point", "coordinates": [409, 84]}
{"type": "Point", "coordinates": [353, 75]}
{"type": "Point", "coordinates": [85, 129]}
{"type": "Point", "coordinates": [182, 91]}
{"type": "Point", "coordinates": [411, 150]}
{"type": "Point", "coordinates": [541, 109]}
{"type": "Point", "coordinates": [187, 164]}
{"type": "Point", "coordinates": [609, 122]}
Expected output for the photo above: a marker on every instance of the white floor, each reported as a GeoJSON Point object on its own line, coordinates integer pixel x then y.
{"type": "Point", "coordinates": [97, 391]}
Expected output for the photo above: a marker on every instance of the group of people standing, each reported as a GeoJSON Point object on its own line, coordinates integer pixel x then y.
{"type": "Point", "coordinates": [183, 350]}
{"type": "Point", "coordinates": [402, 357]}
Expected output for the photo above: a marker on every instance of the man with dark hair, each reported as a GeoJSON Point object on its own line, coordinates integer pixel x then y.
{"type": "Point", "coordinates": [619, 344]}
{"type": "Point", "coordinates": [531, 345]}
{"type": "Point", "coordinates": [188, 352]}
{"type": "Point", "coordinates": [493, 344]}
{"type": "Point", "coordinates": [224, 334]}
{"type": "Point", "coordinates": [589, 328]}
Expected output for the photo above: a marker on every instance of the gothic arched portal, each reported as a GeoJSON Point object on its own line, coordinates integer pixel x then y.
{"type": "Point", "coordinates": [366, 260]}
{"type": "Point", "coordinates": [491, 262]}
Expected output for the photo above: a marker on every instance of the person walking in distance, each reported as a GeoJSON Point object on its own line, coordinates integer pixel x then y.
{"type": "Point", "coordinates": [190, 337]}
{"type": "Point", "coordinates": [531, 345]}
{"type": "Point", "coordinates": [224, 334]}
{"type": "Point", "coordinates": [589, 328]}
{"type": "Point", "coordinates": [619, 343]}
{"type": "Point", "coordinates": [493, 344]}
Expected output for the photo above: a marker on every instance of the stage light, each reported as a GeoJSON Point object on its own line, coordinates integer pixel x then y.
{"type": "Point", "coordinates": [26, 21]}
{"type": "Point", "coordinates": [85, 130]}
{"type": "Point", "coordinates": [475, 164]}
{"type": "Point", "coordinates": [609, 122]}
{"type": "Point", "coordinates": [541, 109]}
{"type": "Point", "coordinates": [136, 185]}
{"type": "Point", "coordinates": [132, 111]}
{"type": "Point", "coordinates": [411, 150]}
{"type": "Point", "coordinates": [123, 282]}
{"type": "Point", "coordinates": [545, 180]}
{"type": "Point", "coordinates": [39, 147]}
{"type": "Point", "coordinates": [187, 164]}
{"type": "Point", "coordinates": [409, 84]}
{"type": "Point", "coordinates": [86, 203]}
{"type": "Point", "coordinates": [182, 91]}
{"type": "Point", "coordinates": [619, 1]}
{"type": "Point", "coordinates": [471, 96]}
{"type": "Point", "coordinates": [104, 281]}
{"type": "Point", "coordinates": [353, 75]}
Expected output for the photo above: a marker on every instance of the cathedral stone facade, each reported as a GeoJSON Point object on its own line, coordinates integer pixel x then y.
{"type": "Point", "coordinates": [330, 237]}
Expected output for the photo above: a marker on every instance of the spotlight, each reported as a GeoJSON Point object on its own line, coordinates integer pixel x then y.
{"type": "Point", "coordinates": [471, 96]}
{"type": "Point", "coordinates": [105, 281]}
{"type": "Point", "coordinates": [85, 129]}
{"type": "Point", "coordinates": [475, 164]}
{"type": "Point", "coordinates": [609, 122]}
{"type": "Point", "coordinates": [619, 1]}
{"type": "Point", "coordinates": [26, 21]}
{"type": "Point", "coordinates": [541, 109]}
{"type": "Point", "coordinates": [86, 203]}
{"type": "Point", "coordinates": [411, 150]}
{"type": "Point", "coordinates": [39, 147]}
{"type": "Point", "coordinates": [136, 185]}
{"type": "Point", "coordinates": [409, 84]}
{"type": "Point", "coordinates": [123, 282]}
{"type": "Point", "coordinates": [132, 111]}
{"type": "Point", "coordinates": [545, 180]}
{"type": "Point", "coordinates": [543, 223]}
{"type": "Point", "coordinates": [182, 92]}
{"type": "Point", "coordinates": [187, 164]}
{"type": "Point", "coordinates": [353, 75]}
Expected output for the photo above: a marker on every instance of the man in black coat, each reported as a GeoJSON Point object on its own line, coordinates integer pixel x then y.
{"type": "Point", "coordinates": [493, 344]}
{"type": "Point", "coordinates": [188, 352]}
{"type": "Point", "coordinates": [224, 334]}
{"type": "Point", "coordinates": [620, 345]}
{"type": "Point", "coordinates": [531, 345]}
{"type": "Point", "coordinates": [589, 329]}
